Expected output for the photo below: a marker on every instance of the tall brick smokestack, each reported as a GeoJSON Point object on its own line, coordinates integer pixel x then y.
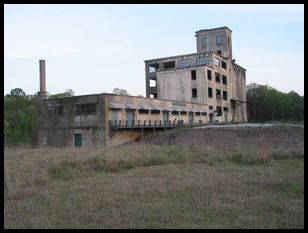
{"type": "Point", "coordinates": [42, 80]}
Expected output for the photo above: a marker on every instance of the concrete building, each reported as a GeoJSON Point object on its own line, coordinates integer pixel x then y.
{"type": "Point", "coordinates": [190, 89]}
{"type": "Point", "coordinates": [209, 76]}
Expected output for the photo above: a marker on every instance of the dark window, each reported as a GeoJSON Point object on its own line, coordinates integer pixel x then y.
{"type": "Point", "coordinates": [194, 92]}
{"type": "Point", "coordinates": [225, 109]}
{"type": "Point", "coordinates": [56, 109]}
{"type": "Point", "coordinates": [224, 79]}
{"type": "Point", "coordinates": [183, 113]}
{"type": "Point", "coordinates": [198, 113]}
{"type": "Point", "coordinates": [203, 113]}
{"type": "Point", "coordinates": [232, 103]}
{"type": "Point", "coordinates": [218, 39]}
{"type": "Point", "coordinates": [204, 41]}
{"type": "Point", "coordinates": [175, 112]}
{"type": "Point", "coordinates": [219, 112]}
{"type": "Point", "coordinates": [225, 95]}
{"type": "Point", "coordinates": [169, 65]}
{"type": "Point", "coordinates": [223, 65]}
{"type": "Point", "coordinates": [218, 94]}
{"type": "Point", "coordinates": [85, 109]}
{"type": "Point", "coordinates": [210, 92]}
{"type": "Point", "coordinates": [210, 107]}
{"type": "Point", "coordinates": [217, 77]}
{"type": "Point", "coordinates": [155, 111]}
{"type": "Point", "coordinates": [143, 111]}
{"type": "Point", "coordinates": [193, 75]}
{"type": "Point", "coordinates": [209, 74]}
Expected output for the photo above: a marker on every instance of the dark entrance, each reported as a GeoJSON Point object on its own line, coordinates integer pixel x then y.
{"type": "Point", "coordinates": [77, 139]}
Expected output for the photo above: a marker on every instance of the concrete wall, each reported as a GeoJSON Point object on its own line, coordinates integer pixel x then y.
{"type": "Point", "coordinates": [225, 47]}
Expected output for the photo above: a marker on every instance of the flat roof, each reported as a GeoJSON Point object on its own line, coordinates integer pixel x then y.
{"type": "Point", "coordinates": [212, 29]}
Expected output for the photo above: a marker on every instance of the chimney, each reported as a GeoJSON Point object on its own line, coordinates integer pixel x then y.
{"type": "Point", "coordinates": [42, 80]}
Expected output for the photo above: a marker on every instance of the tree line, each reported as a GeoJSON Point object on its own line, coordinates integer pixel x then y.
{"type": "Point", "coordinates": [266, 103]}
{"type": "Point", "coordinates": [21, 115]}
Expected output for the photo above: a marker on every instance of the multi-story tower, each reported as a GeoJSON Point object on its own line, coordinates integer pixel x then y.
{"type": "Point", "coordinates": [209, 76]}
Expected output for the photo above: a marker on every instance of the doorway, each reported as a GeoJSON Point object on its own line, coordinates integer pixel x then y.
{"type": "Point", "coordinates": [191, 118]}
{"type": "Point", "coordinates": [129, 116]}
{"type": "Point", "coordinates": [78, 142]}
{"type": "Point", "coordinates": [165, 116]}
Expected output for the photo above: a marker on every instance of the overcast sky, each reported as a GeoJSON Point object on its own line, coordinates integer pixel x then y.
{"type": "Point", "coordinates": [95, 48]}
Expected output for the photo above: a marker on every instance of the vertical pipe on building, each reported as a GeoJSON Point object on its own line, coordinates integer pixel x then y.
{"type": "Point", "coordinates": [42, 79]}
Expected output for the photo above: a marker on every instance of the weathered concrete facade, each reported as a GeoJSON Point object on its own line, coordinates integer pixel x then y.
{"type": "Point", "coordinates": [190, 89]}
{"type": "Point", "coordinates": [209, 76]}
{"type": "Point", "coordinates": [89, 117]}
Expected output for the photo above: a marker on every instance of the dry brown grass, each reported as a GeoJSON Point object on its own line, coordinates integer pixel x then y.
{"type": "Point", "coordinates": [121, 188]}
{"type": "Point", "coordinates": [154, 186]}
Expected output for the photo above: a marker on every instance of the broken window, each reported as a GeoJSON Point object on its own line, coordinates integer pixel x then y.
{"type": "Point", "coordinates": [224, 79]}
{"type": "Point", "coordinates": [225, 95]}
{"type": "Point", "coordinates": [216, 61]}
{"type": "Point", "coordinates": [152, 82]}
{"type": "Point", "coordinates": [194, 92]}
{"type": "Point", "coordinates": [232, 103]}
{"type": "Point", "coordinates": [175, 112]}
{"type": "Point", "coordinates": [185, 63]}
{"type": "Point", "coordinates": [153, 96]}
{"type": "Point", "coordinates": [219, 112]}
{"type": "Point", "coordinates": [203, 113]}
{"type": "Point", "coordinates": [169, 65]}
{"type": "Point", "coordinates": [210, 92]}
{"type": "Point", "coordinates": [155, 111]}
{"type": "Point", "coordinates": [225, 109]}
{"type": "Point", "coordinates": [202, 60]}
{"type": "Point", "coordinates": [56, 109]}
{"type": "Point", "coordinates": [217, 77]}
{"type": "Point", "coordinates": [183, 113]}
{"type": "Point", "coordinates": [210, 107]}
{"type": "Point", "coordinates": [204, 41]}
{"type": "Point", "coordinates": [153, 67]}
{"type": "Point", "coordinates": [85, 109]}
{"type": "Point", "coordinates": [218, 94]}
{"type": "Point", "coordinates": [223, 64]}
{"type": "Point", "coordinates": [218, 40]}
{"type": "Point", "coordinates": [143, 111]}
{"type": "Point", "coordinates": [209, 74]}
{"type": "Point", "coordinates": [198, 113]}
{"type": "Point", "coordinates": [193, 75]}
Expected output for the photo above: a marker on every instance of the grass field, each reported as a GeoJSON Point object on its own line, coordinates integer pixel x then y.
{"type": "Point", "coordinates": [156, 186]}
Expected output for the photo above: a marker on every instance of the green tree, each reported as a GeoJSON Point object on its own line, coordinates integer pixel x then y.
{"type": "Point", "coordinates": [269, 104]}
{"type": "Point", "coordinates": [17, 93]}
{"type": "Point", "coordinates": [119, 91]}
{"type": "Point", "coordinates": [67, 93]}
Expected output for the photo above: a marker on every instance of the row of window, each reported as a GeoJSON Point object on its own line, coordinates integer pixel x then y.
{"type": "Point", "coordinates": [210, 93]}
{"type": "Point", "coordinates": [187, 63]}
{"type": "Point", "coordinates": [204, 41]}
{"type": "Point", "coordinates": [218, 77]}
{"type": "Point", "coordinates": [79, 109]}
{"type": "Point", "coordinates": [218, 94]}
{"type": "Point", "coordinates": [218, 109]}
{"type": "Point", "coordinates": [144, 111]}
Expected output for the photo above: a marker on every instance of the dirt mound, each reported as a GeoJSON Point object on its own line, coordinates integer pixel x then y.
{"type": "Point", "coordinates": [234, 138]}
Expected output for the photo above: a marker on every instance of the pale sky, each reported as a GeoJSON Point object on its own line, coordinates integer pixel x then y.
{"type": "Point", "coordinates": [95, 48]}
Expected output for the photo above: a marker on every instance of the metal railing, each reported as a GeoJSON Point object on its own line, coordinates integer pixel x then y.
{"type": "Point", "coordinates": [118, 124]}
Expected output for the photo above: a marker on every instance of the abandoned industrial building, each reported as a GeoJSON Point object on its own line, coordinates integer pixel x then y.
{"type": "Point", "coordinates": [198, 88]}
